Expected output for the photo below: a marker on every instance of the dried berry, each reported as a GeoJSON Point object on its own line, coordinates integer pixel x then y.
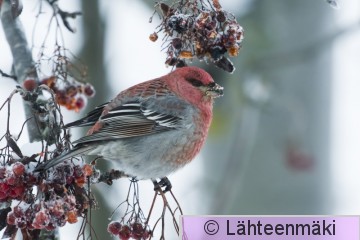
{"type": "Point", "coordinates": [186, 54]}
{"type": "Point", "coordinates": [177, 43]}
{"type": "Point", "coordinates": [195, 30]}
{"type": "Point", "coordinates": [87, 169]}
{"type": "Point", "coordinates": [72, 217]}
{"type": "Point", "coordinates": [178, 23]}
{"type": "Point", "coordinates": [50, 81]}
{"type": "Point", "coordinates": [153, 37]}
{"type": "Point", "coordinates": [166, 10]}
{"type": "Point", "coordinates": [171, 61]}
{"type": "Point", "coordinates": [233, 51]}
{"type": "Point", "coordinates": [216, 4]}
{"type": "Point", "coordinates": [220, 16]}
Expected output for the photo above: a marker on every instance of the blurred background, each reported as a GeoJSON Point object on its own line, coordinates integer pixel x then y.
{"type": "Point", "coordinates": [285, 136]}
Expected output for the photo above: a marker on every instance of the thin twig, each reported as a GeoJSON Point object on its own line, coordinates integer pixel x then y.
{"type": "Point", "coordinates": [8, 75]}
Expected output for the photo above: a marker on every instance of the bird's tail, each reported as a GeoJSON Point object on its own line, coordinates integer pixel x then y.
{"type": "Point", "coordinates": [55, 161]}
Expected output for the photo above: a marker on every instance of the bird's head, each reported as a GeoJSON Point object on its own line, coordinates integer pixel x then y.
{"type": "Point", "coordinates": [194, 85]}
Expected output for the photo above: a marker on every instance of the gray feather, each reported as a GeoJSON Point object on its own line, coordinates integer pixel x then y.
{"type": "Point", "coordinates": [55, 161]}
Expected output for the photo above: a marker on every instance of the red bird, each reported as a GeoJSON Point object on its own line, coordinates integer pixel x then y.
{"type": "Point", "coordinates": [151, 129]}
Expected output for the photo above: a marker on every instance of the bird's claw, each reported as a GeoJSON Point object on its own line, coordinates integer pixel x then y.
{"type": "Point", "coordinates": [164, 182]}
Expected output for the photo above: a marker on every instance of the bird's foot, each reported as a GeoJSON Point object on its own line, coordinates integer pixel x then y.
{"type": "Point", "coordinates": [164, 182]}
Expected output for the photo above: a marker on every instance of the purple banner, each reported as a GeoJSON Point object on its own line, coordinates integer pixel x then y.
{"type": "Point", "coordinates": [270, 227]}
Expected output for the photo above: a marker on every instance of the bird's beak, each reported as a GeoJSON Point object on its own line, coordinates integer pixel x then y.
{"type": "Point", "coordinates": [214, 90]}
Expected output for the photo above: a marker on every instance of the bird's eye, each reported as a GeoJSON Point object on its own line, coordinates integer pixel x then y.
{"type": "Point", "coordinates": [211, 85]}
{"type": "Point", "coordinates": [195, 82]}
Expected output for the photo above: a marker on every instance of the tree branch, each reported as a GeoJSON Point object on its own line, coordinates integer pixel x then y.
{"type": "Point", "coordinates": [23, 63]}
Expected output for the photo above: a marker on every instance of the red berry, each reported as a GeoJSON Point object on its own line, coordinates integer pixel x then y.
{"type": "Point", "coordinates": [18, 169]}
{"type": "Point", "coordinates": [12, 180]}
{"type": "Point", "coordinates": [80, 103]}
{"type": "Point", "coordinates": [50, 227]}
{"type": "Point", "coordinates": [37, 208]}
{"type": "Point", "coordinates": [50, 81]}
{"type": "Point", "coordinates": [20, 223]}
{"type": "Point", "coordinates": [146, 234]}
{"type": "Point", "coordinates": [80, 181]}
{"type": "Point", "coordinates": [137, 230]}
{"type": "Point", "coordinates": [3, 196]}
{"type": "Point", "coordinates": [72, 217]}
{"type": "Point", "coordinates": [114, 228]}
{"type": "Point", "coordinates": [89, 90]}
{"type": "Point", "coordinates": [2, 173]}
{"type": "Point", "coordinates": [71, 91]}
{"type": "Point", "coordinates": [57, 210]}
{"type": "Point", "coordinates": [30, 84]}
{"type": "Point", "coordinates": [69, 179]}
{"type": "Point", "coordinates": [78, 172]}
{"type": "Point", "coordinates": [125, 232]}
{"type": "Point", "coordinates": [11, 218]}
{"type": "Point", "coordinates": [87, 169]}
{"type": "Point", "coordinates": [30, 180]}
{"type": "Point", "coordinates": [37, 226]}
{"type": "Point", "coordinates": [4, 187]}
{"type": "Point", "coordinates": [41, 220]}
{"type": "Point", "coordinates": [18, 212]}
{"type": "Point", "coordinates": [61, 98]}
{"type": "Point", "coordinates": [29, 226]}
{"type": "Point", "coordinates": [16, 191]}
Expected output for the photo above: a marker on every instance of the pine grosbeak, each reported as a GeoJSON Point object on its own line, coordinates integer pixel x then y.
{"type": "Point", "coordinates": [151, 129]}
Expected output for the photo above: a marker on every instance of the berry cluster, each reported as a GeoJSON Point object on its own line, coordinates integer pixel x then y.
{"type": "Point", "coordinates": [45, 214]}
{"type": "Point", "coordinates": [63, 196]}
{"type": "Point", "coordinates": [135, 230]}
{"type": "Point", "coordinates": [16, 183]}
{"type": "Point", "coordinates": [196, 29]}
{"type": "Point", "coordinates": [68, 174]}
{"type": "Point", "coordinates": [70, 95]}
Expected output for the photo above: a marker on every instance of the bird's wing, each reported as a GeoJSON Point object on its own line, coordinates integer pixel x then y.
{"type": "Point", "coordinates": [135, 118]}
{"type": "Point", "coordinates": [90, 119]}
